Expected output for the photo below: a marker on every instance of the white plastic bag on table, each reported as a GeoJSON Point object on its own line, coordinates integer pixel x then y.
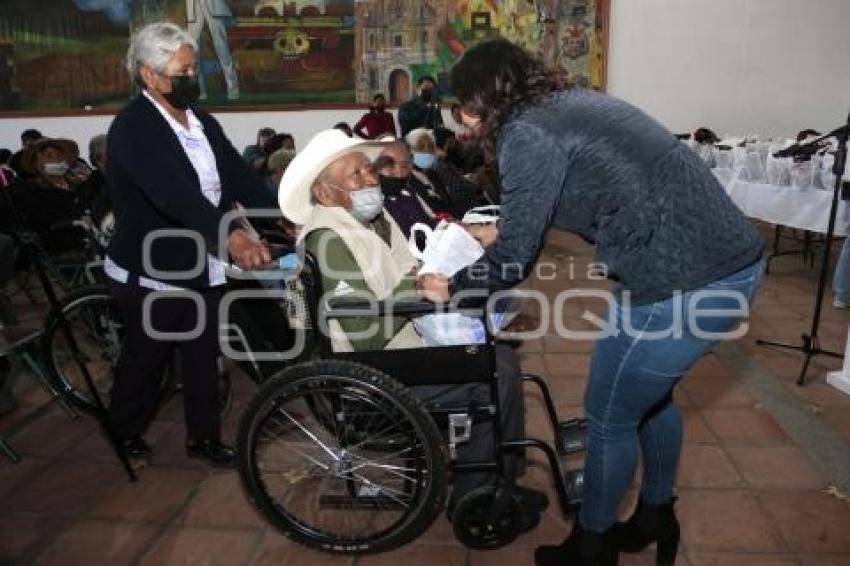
{"type": "Point", "coordinates": [725, 159]}
{"type": "Point", "coordinates": [801, 175]}
{"type": "Point", "coordinates": [778, 168]}
{"type": "Point", "coordinates": [826, 176]}
{"type": "Point", "coordinates": [754, 170]}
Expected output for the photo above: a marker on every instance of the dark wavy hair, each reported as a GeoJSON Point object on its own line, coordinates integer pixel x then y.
{"type": "Point", "coordinates": [496, 78]}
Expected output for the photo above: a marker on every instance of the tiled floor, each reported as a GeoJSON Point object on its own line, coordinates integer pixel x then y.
{"type": "Point", "coordinates": [748, 493]}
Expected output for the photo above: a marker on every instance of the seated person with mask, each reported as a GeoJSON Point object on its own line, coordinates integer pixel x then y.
{"type": "Point", "coordinates": [404, 188]}
{"type": "Point", "coordinates": [331, 189]}
{"type": "Point", "coordinates": [456, 191]}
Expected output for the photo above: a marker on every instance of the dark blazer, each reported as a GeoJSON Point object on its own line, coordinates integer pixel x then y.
{"type": "Point", "coordinates": [153, 186]}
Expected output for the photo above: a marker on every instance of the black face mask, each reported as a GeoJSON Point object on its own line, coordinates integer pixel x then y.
{"type": "Point", "coordinates": [185, 91]}
{"type": "Point", "coordinates": [392, 186]}
{"type": "Point", "coordinates": [427, 95]}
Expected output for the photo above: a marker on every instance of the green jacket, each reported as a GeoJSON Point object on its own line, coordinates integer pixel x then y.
{"type": "Point", "coordinates": [342, 277]}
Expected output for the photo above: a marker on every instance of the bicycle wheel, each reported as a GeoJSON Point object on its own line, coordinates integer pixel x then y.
{"type": "Point", "coordinates": [97, 328]}
{"type": "Point", "coordinates": [369, 479]}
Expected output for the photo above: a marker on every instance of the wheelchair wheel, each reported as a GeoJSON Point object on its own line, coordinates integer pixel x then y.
{"type": "Point", "coordinates": [482, 522]}
{"type": "Point", "coordinates": [342, 458]}
{"type": "Point", "coordinates": [98, 330]}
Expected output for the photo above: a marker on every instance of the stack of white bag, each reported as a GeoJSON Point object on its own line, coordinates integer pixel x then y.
{"type": "Point", "coordinates": [747, 159]}
{"type": "Point", "coordinates": [448, 249]}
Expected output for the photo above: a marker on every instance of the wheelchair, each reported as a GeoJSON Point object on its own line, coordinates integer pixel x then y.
{"type": "Point", "coordinates": [338, 453]}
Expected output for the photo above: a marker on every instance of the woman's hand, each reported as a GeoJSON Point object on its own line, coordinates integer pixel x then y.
{"type": "Point", "coordinates": [486, 234]}
{"type": "Point", "coordinates": [433, 287]}
{"type": "Point", "coordinates": [246, 252]}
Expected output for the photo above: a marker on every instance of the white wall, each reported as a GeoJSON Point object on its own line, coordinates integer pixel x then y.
{"type": "Point", "coordinates": [770, 67]}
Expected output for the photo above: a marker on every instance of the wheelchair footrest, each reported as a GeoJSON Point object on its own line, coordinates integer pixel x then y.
{"type": "Point", "coordinates": [571, 436]}
{"type": "Point", "coordinates": [574, 480]}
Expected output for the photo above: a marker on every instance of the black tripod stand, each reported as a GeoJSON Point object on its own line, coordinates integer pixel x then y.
{"type": "Point", "coordinates": [811, 342]}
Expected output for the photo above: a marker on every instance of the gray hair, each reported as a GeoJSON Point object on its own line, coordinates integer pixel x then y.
{"type": "Point", "coordinates": [97, 148]}
{"type": "Point", "coordinates": [412, 138]}
{"type": "Point", "coordinates": [154, 45]}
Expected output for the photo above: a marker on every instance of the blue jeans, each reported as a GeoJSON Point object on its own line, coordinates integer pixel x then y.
{"type": "Point", "coordinates": [841, 278]}
{"type": "Point", "coordinates": [628, 401]}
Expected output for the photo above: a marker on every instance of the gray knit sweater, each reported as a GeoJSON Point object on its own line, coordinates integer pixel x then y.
{"type": "Point", "coordinates": [597, 166]}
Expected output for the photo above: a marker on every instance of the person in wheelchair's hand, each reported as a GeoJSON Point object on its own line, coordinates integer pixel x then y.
{"type": "Point", "coordinates": [331, 189]}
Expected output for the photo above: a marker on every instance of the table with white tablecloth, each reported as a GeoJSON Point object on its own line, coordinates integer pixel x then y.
{"type": "Point", "coordinates": [789, 206]}
{"type": "Point", "coordinates": [785, 205]}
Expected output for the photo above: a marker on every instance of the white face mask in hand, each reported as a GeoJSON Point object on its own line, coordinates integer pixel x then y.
{"type": "Point", "coordinates": [366, 203]}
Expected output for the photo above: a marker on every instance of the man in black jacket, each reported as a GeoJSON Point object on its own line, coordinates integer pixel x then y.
{"type": "Point", "coordinates": [423, 110]}
{"type": "Point", "coordinates": [173, 177]}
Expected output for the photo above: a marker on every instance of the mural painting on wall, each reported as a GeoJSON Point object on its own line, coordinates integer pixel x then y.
{"type": "Point", "coordinates": [69, 54]}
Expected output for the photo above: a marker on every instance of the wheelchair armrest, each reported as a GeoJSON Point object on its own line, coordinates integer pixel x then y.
{"type": "Point", "coordinates": [408, 308]}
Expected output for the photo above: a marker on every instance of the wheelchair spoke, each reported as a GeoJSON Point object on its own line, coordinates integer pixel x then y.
{"type": "Point", "coordinates": [342, 460]}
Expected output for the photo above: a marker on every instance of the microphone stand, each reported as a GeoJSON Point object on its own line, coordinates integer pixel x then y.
{"type": "Point", "coordinates": [27, 243]}
{"type": "Point", "coordinates": [811, 343]}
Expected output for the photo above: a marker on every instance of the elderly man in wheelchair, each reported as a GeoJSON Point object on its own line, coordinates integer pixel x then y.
{"type": "Point", "coordinates": [344, 452]}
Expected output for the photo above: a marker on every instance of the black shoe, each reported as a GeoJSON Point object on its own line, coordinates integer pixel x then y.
{"type": "Point", "coordinates": [581, 548]}
{"type": "Point", "coordinates": [213, 451]}
{"type": "Point", "coordinates": [650, 523]}
{"type": "Point", "coordinates": [134, 447]}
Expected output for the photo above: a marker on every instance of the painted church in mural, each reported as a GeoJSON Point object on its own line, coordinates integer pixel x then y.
{"type": "Point", "coordinates": [68, 54]}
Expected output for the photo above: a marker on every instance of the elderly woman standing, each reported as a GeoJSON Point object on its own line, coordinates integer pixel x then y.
{"type": "Point", "coordinates": [173, 175]}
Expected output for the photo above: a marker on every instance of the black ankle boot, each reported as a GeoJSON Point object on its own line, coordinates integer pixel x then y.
{"type": "Point", "coordinates": [650, 523]}
{"type": "Point", "coordinates": [582, 548]}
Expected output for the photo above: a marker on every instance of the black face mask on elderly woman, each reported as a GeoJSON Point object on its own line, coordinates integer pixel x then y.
{"type": "Point", "coordinates": [185, 91]}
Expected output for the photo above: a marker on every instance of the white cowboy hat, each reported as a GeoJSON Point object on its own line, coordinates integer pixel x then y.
{"type": "Point", "coordinates": [325, 148]}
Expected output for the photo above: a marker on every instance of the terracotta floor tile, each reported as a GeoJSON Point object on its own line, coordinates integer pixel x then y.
{"type": "Point", "coordinates": [558, 344]}
{"type": "Point", "coordinates": [566, 390]}
{"type": "Point", "coordinates": [170, 448]}
{"type": "Point", "coordinates": [742, 559]}
{"type": "Point", "coordinates": [97, 542]}
{"type": "Point", "coordinates": [275, 550]}
{"type": "Point", "coordinates": [23, 535]}
{"type": "Point", "coordinates": [41, 437]}
{"type": "Point", "coordinates": [532, 364]}
{"type": "Point", "coordinates": [709, 367]}
{"type": "Point", "coordinates": [65, 488]}
{"type": "Point", "coordinates": [696, 431]}
{"type": "Point", "coordinates": [156, 498]}
{"type": "Point", "coordinates": [208, 547]}
{"type": "Point", "coordinates": [221, 502]}
{"type": "Point", "coordinates": [839, 419]}
{"type": "Point", "coordinates": [706, 465]}
{"type": "Point", "coordinates": [450, 554]}
{"type": "Point", "coordinates": [842, 559]}
{"type": "Point", "coordinates": [725, 521]}
{"type": "Point", "coordinates": [743, 426]}
{"type": "Point", "coordinates": [568, 364]}
{"type": "Point", "coordinates": [821, 394]}
{"type": "Point", "coordinates": [717, 393]}
{"type": "Point", "coordinates": [777, 467]}
{"type": "Point", "coordinates": [647, 558]}
{"type": "Point", "coordinates": [810, 521]}
{"type": "Point", "coordinates": [11, 474]}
